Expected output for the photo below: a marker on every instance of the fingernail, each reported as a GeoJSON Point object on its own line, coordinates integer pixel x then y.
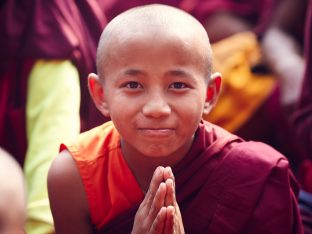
{"type": "Point", "coordinates": [168, 169]}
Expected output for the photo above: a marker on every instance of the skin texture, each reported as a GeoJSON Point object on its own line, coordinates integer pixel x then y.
{"type": "Point", "coordinates": [155, 92]}
{"type": "Point", "coordinates": [12, 195]}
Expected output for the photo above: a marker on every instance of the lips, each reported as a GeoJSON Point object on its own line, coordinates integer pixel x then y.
{"type": "Point", "coordinates": [156, 132]}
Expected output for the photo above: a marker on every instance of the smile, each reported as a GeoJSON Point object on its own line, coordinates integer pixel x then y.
{"type": "Point", "coordinates": [156, 132]}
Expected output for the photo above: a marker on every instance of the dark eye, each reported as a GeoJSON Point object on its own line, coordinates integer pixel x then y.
{"type": "Point", "coordinates": [178, 85]}
{"type": "Point", "coordinates": [133, 85]}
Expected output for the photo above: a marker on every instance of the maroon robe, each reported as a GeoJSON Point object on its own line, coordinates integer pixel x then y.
{"type": "Point", "coordinates": [227, 185]}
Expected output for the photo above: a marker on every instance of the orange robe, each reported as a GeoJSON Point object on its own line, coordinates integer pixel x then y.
{"type": "Point", "coordinates": [110, 186]}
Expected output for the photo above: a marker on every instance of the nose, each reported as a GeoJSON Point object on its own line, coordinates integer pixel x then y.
{"type": "Point", "coordinates": [156, 106]}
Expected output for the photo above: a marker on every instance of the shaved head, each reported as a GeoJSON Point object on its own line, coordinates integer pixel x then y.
{"type": "Point", "coordinates": [11, 176]}
{"type": "Point", "coordinates": [158, 21]}
{"type": "Point", "coordinates": [12, 194]}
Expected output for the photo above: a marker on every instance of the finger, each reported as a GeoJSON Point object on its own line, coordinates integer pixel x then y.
{"type": "Point", "coordinates": [158, 201]}
{"type": "Point", "coordinates": [154, 184]}
{"type": "Point", "coordinates": [178, 222]}
{"type": "Point", "coordinates": [159, 222]}
{"type": "Point", "coordinates": [169, 223]}
{"type": "Point", "coordinates": [168, 174]}
{"type": "Point", "coordinates": [170, 193]}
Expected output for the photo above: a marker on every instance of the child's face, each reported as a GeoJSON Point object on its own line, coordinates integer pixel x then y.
{"type": "Point", "coordinates": [155, 90]}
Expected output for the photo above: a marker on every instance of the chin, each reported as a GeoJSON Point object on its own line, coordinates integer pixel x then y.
{"type": "Point", "coordinates": [156, 154]}
{"type": "Point", "coordinates": [158, 151]}
{"type": "Point", "coordinates": [152, 151]}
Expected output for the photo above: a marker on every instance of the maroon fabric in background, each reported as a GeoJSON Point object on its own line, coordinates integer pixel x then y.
{"type": "Point", "coordinates": [302, 118]}
{"type": "Point", "coordinates": [228, 186]}
{"type": "Point", "coordinates": [39, 29]}
{"type": "Point", "coordinates": [52, 30]}
{"type": "Point", "coordinates": [258, 12]}
{"type": "Point", "coordinates": [13, 85]}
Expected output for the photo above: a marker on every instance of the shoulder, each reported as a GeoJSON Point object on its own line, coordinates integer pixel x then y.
{"type": "Point", "coordinates": [258, 153]}
{"type": "Point", "coordinates": [62, 165]}
{"type": "Point", "coordinates": [249, 158]}
{"type": "Point", "coordinates": [258, 164]}
{"type": "Point", "coordinates": [237, 149]}
{"type": "Point", "coordinates": [67, 196]}
{"type": "Point", "coordinates": [64, 177]}
{"type": "Point", "coordinates": [252, 167]}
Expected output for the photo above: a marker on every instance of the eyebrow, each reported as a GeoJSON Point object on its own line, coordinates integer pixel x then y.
{"type": "Point", "coordinates": [174, 72]}
{"type": "Point", "coordinates": [132, 72]}
{"type": "Point", "coordinates": [180, 73]}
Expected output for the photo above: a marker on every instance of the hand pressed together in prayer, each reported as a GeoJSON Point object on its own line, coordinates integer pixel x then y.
{"type": "Point", "coordinates": [159, 211]}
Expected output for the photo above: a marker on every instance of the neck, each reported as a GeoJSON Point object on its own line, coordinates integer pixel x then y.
{"type": "Point", "coordinates": [143, 166]}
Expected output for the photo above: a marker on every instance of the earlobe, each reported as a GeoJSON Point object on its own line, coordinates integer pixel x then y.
{"type": "Point", "coordinates": [96, 91]}
{"type": "Point", "coordinates": [213, 91]}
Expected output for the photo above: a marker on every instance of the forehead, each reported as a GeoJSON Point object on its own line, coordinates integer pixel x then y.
{"type": "Point", "coordinates": [150, 47]}
{"type": "Point", "coordinates": [152, 41]}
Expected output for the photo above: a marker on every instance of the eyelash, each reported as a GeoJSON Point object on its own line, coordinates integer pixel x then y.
{"type": "Point", "coordinates": [136, 85]}
{"type": "Point", "coordinates": [179, 84]}
{"type": "Point", "coordinates": [129, 85]}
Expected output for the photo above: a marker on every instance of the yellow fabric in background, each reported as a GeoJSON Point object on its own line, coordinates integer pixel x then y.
{"type": "Point", "coordinates": [242, 91]}
{"type": "Point", "coordinates": [52, 116]}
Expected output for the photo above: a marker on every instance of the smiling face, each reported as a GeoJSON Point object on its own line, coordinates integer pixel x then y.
{"type": "Point", "coordinates": [154, 89]}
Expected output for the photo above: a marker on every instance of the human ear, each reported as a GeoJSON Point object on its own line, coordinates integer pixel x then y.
{"type": "Point", "coordinates": [96, 91]}
{"type": "Point", "coordinates": [213, 91]}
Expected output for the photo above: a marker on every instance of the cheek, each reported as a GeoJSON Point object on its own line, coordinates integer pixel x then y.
{"type": "Point", "coordinates": [123, 113]}
{"type": "Point", "coordinates": [123, 110]}
{"type": "Point", "coordinates": [191, 107]}
{"type": "Point", "coordinates": [190, 114]}
{"type": "Point", "coordinates": [120, 106]}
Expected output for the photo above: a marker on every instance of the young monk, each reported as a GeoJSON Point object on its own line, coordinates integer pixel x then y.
{"type": "Point", "coordinates": [157, 167]}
